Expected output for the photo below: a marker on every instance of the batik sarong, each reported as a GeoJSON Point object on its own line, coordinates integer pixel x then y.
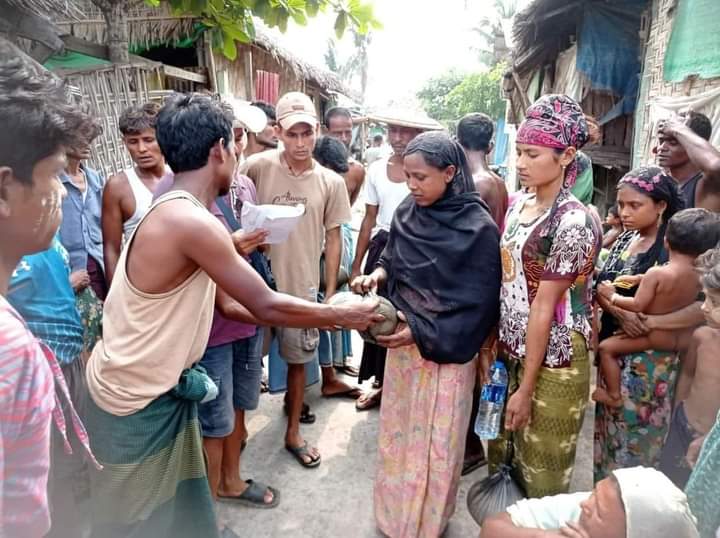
{"type": "Point", "coordinates": [634, 434]}
{"type": "Point", "coordinates": [423, 423]}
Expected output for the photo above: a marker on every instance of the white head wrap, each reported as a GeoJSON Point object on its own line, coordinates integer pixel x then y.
{"type": "Point", "coordinates": [654, 506]}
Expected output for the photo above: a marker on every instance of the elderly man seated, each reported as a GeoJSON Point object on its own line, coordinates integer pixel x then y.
{"type": "Point", "coordinates": [632, 503]}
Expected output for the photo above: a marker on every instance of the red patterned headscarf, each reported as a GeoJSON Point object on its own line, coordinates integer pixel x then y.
{"type": "Point", "coordinates": [555, 121]}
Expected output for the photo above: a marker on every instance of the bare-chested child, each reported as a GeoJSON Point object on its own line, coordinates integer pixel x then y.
{"type": "Point", "coordinates": [698, 390]}
{"type": "Point", "coordinates": [661, 290]}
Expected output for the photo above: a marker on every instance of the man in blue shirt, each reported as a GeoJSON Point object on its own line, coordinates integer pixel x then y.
{"type": "Point", "coordinates": [40, 291]}
{"type": "Point", "coordinates": [81, 231]}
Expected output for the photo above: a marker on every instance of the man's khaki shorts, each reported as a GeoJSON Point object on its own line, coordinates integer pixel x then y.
{"type": "Point", "coordinates": [297, 346]}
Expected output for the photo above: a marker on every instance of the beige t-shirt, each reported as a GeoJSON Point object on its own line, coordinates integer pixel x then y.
{"type": "Point", "coordinates": [296, 263]}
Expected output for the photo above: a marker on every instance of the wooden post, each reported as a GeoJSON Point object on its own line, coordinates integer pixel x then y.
{"type": "Point", "coordinates": [249, 78]}
{"type": "Point", "coordinates": [207, 45]}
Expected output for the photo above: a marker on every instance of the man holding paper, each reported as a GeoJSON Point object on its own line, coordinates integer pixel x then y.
{"type": "Point", "coordinates": [290, 176]}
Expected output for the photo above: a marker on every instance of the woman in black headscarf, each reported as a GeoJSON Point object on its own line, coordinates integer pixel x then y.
{"type": "Point", "coordinates": [441, 269]}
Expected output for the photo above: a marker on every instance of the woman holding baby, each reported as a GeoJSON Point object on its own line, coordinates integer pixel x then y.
{"type": "Point", "coordinates": [633, 433]}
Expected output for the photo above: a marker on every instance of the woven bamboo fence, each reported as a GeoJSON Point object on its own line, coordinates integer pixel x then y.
{"type": "Point", "coordinates": [104, 93]}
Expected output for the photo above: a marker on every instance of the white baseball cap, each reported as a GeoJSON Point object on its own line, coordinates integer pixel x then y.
{"type": "Point", "coordinates": [248, 116]}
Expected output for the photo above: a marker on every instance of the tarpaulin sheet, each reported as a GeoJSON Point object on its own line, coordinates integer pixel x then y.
{"type": "Point", "coordinates": [73, 60]}
{"type": "Point", "coordinates": [609, 50]}
{"type": "Point", "coordinates": [500, 152]}
{"type": "Point", "coordinates": [694, 47]}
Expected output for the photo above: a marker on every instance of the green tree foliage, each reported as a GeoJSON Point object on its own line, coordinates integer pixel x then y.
{"type": "Point", "coordinates": [232, 20]}
{"type": "Point", "coordinates": [450, 96]}
{"type": "Point", "coordinates": [436, 90]}
{"type": "Point", "coordinates": [356, 65]}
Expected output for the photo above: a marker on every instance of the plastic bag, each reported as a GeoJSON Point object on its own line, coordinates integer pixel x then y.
{"type": "Point", "coordinates": [493, 494]}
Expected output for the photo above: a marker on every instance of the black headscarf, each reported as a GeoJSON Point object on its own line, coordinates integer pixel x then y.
{"type": "Point", "coordinates": [443, 261]}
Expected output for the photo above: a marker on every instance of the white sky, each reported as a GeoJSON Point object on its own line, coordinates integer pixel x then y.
{"type": "Point", "coordinates": [419, 39]}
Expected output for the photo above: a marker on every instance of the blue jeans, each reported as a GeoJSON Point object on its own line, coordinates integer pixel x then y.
{"type": "Point", "coordinates": [236, 368]}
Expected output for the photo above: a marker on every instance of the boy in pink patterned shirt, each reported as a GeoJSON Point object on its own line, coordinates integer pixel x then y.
{"type": "Point", "coordinates": [37, 126]}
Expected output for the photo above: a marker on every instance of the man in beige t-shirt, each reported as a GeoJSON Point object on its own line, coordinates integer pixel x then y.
{"type": "Point", "coordinates": [291, 176]}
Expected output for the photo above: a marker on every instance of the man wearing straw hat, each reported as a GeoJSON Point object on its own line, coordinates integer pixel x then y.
{"type": "Point", "coordinates": [385, 188]}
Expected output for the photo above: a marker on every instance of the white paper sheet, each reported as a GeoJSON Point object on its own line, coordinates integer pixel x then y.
{"type": "Point", "coordinates": [279, 220]}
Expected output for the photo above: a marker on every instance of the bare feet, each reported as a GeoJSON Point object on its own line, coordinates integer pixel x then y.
{"type": "Point", "coordinates": [604, 397]}
{"type": "Point", "coordinates": [335, 387]}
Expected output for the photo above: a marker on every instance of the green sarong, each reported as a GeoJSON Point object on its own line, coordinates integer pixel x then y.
{"type": "Point", "coordinates": [544, 452]}
{"type": "Point", "coordinates": [154, 481]}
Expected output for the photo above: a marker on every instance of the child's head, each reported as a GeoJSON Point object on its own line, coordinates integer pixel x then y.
{"type": "Point", "coordinates": [613, 216]}
{"type": "Point", "coordinates": [693, 231]}
{"type": "Point", "coordinates": [709, 267]}
{"type": "Point", "coordinates": [38, 123]}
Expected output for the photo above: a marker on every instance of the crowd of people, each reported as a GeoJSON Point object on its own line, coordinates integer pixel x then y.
{"type": "Point", "coordinates": [136, 313]}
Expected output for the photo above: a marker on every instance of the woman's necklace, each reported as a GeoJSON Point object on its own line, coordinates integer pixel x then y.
{"type": "Point", "coordinates": [530, 213]}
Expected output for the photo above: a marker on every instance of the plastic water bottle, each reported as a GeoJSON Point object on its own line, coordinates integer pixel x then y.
{"type": "Point", "coordinates": [492, 401]}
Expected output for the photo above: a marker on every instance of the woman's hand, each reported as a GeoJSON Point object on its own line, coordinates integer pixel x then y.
{"type": "Point", "coordinates": [606, 289]}
{"type": "Point", "coordinates": [365, 283]}
{"type": "Point", "coordinates": [79, 280]}
{"type": "Point", "coordinates": [400, 338]}
{"type": "Point", "coordinates": [246, 243]}
{"type": "Point", "coordinates": [631, 323]}
{"type": "Point", "coordinates": [518, 411]}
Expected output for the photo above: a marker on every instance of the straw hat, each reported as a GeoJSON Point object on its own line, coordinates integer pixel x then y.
{"type": "Point", "coordinates": [415, 119]}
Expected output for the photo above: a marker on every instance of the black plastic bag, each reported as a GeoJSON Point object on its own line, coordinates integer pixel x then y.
{"type": "Point", "coordinates": [495, 493]}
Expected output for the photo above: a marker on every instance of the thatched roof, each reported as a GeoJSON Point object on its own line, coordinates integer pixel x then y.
{"type": "Point", "coordinates": [47, 7]}
{"type": "Point", "coordinates": [148, 26]}
{"type": "Point", "coordinates": [542, 30]}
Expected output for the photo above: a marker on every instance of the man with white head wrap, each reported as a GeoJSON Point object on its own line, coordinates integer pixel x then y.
{"type": "Point", "coordinates": [638, 502]}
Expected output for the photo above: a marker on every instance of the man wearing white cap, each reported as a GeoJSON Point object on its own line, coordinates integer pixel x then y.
{"type": "Point", "coordinates": [639, 502]}
{"type": "Point", "coordinates": [291, 176]}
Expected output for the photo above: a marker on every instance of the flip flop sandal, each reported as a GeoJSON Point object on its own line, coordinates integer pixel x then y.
{"type": "Point", "coordinates": [370, 403]}
{"type": "Point", "coordinates": [254, 496]}
{"type": "Point", "coordinates": [299, 452]}
{"type": "Point", "coordinates": [306, 417]}
{"type": "Point", "coordinates": [352, 394]}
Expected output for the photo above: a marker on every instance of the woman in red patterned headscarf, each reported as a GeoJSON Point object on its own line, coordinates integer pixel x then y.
{"type": "Point", "coordinates": [549, 248]}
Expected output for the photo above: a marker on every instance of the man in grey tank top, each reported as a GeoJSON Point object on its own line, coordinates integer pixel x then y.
{"type": "Point", "coordinates": [685, 152]}
{"type": "Point", "coordinates": [128, 194]}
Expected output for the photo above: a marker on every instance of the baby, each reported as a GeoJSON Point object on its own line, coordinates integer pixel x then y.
{"type": "Point", "coordinates": [663, 289]}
